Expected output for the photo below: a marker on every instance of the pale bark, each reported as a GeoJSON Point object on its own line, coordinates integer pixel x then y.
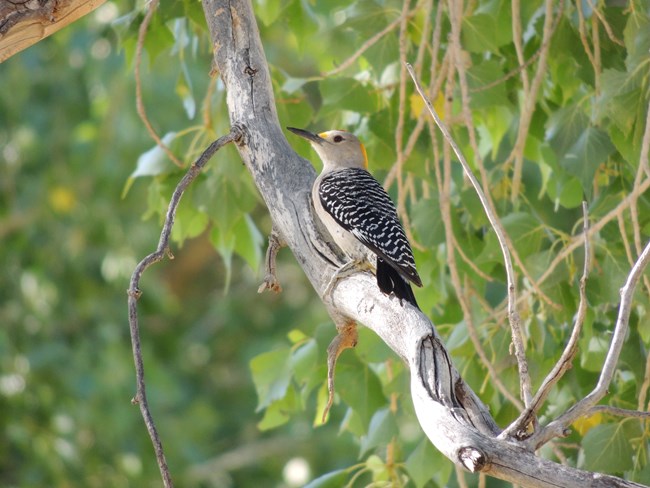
{"type": "Point", "coordinates": [450, 413]}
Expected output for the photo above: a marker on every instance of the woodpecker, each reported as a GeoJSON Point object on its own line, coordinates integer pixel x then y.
{"type": "Point", "coordinates": [359, 214]}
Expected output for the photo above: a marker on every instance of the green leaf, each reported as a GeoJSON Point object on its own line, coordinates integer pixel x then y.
{"type": "Point", "coordinates": [593, 356]}
{"type": "Point", "coordinates": [637, 40]}
{"type": "Point", "coordinates": [271, 376]}
{"type": "Point", "coordinates": [525, 231]}
{"type": "Point", "coordinates": [349, 94]}
{"type": "Point", "coordinates": [158, 39]}
{"type": "Point", "coordinates": [189, 222]}
{"type": "Point", "coordinates": [565, 191]}
{"type": "Point", "coordinates": [425, 218]}
{"type": "Point", "coordinates": [565, 126]}
{"type": "Point", "coordinates": [268, 10]}
{"type": "Point", "coordinates": [426, 463]}
{"type": "Point", "coordinates": [303, 361]}
{"type": "Point", "coordinates": [224, 242]}
{"type": "Point", "coordinates": [479, 77]}
{"type": "Point", "coordinates": [371, 349]}
{"type": "Point", "coordinates": [248, 241]}
{"type": "Point", "coordinates": [496, 123]}
{"type": "Point", "coordinates": [154, 161]}
{"type": "Point", "coordinates": [607, 447]}
{"type": "Point", "coordinates": [359, 387]}
{"type": "Point", "coordinates": [184, 92]}
{"type": "Point", "coordinates": [381, 430]}
{"type": "Point", "coordinates": [480, 33]}
{"type": "Point", "coordinates": [335, 479]}
{"type": "Point", "coordinates": [585, 155]}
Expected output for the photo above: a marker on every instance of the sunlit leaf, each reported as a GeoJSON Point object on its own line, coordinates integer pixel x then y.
{"type": "Point", "coordinates": [271, 375]}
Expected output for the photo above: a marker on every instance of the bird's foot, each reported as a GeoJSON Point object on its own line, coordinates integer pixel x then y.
{"type": "Point", "coordinates": [270, 280]}
{"type": "Point", "coordinates": [346, 338]}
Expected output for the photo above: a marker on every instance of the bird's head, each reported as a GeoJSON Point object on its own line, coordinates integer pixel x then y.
{"type": "Point", "coordinates": [336, 148]}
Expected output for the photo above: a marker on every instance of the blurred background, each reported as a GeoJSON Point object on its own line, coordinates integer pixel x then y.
{"type": "Point", "coordinates": [70, 239]}
{"type": "Point", "coordinates": [235, 379]}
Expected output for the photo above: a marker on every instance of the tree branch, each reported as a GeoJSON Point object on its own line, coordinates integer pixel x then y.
{"type": "Point", "coordinates": [518, 427]}
{"type": "Point", "coordinates": [134, 294]}
{"type": "Point", "coordinates": [558, 426]}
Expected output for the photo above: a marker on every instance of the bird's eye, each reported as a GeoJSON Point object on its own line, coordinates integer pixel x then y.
{"type": "Point", "coordinates": [338, 138]}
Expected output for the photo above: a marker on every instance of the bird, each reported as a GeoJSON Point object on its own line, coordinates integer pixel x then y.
{"type": "Point", "coordinates": [359, 214]}
{"type": "Point", "coordinates": [362, 220]}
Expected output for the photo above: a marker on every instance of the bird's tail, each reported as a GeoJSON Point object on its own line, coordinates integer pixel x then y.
{"type": "Point", "coordinates": [390, 281]}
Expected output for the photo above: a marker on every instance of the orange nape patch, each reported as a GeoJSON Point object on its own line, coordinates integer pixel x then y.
{"type": "Point", "coordinates": [365, 156]}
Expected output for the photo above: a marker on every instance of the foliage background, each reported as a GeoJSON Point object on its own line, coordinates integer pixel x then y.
{"type": "Point", "coordinates": [236, 388]}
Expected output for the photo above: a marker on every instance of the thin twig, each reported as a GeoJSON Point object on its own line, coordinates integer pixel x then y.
{"type": "Point", "coordinates": [401, 120]}
{"type": "Point", "coordinates": [643, 391]}
{"type": "Point", "coordinates": [519, 48]}
{"type": "Point", "coordinates": [444, 189]}
{"type": "Point", "coordinates": [139, 104]}
{"type": "Point", "coordinates": [620, 412]}
{"type": "Point", "coordinates": [595, 35]}
{"type": "Point", "coordinates": [558, 426]}
{"type": "Point", "coordinates": [583, 35]}
{"type": "Point", "coordinates": [134, 294]}
{"type": "Point", "coordinates": [512, 312]}
{"type": "Point", "coordinates": [469, 261]}
{"type": "Point", "coordinates": [641, 170]}
{"type": "Point", "coordinates": [519, 427]}
{"type": "Point", "coordinates": [530, 98]}
{"type": "Point", "coordinates": [460, 477]}
{"type": "Point", "coordinates": [608, 28]}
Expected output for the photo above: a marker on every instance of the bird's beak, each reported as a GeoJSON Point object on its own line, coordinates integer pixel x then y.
{"type": "Point", "coordinates": [310, 136]}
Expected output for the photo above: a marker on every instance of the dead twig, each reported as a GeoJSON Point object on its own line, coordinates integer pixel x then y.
{"type": "Point", "coordinates": [619, 412]}
{"type": "Point", "coordinates": [558, 427]}
{"type": "Point", "coordinates": [134, 294]}
{"type": "Point", "coordinates": [518, 428]}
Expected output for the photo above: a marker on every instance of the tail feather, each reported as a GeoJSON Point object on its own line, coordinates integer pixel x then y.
{"type": "Point", "coordinates": [390, 281]}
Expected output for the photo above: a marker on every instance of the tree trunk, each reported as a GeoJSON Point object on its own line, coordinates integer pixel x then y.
{"type": "Point", "coordinates": [450, 413]}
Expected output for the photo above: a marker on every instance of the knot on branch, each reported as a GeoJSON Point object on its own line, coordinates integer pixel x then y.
{"type": "Point", "coordinates": [472, 458]}
{"type": "Point", "coordinates": [240, 134]}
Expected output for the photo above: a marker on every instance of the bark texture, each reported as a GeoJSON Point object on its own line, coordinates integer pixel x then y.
{"type": "Point", "coordinates": [450, 413]}
{"type": "Point", "coordinates": [25, 22]}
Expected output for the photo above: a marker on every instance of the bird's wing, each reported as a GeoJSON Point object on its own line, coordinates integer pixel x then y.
{"type": "Point", "coordinates": [359, 204]}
